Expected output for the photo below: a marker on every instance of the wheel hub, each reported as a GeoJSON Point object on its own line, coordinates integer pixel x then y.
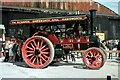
{"type": "Point", "coordinates": [93, 58]}
{"type": "Point", "coordinates": [37, 52]}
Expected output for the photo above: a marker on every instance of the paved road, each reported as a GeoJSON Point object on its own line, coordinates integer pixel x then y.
{"type": "Point", "coordinates": [58, 70]}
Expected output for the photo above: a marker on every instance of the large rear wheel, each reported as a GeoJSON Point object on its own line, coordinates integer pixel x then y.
{"type": "Point", "coordinates": [94, 58]}
{"type": "Point", "coordinates": [38, 52]}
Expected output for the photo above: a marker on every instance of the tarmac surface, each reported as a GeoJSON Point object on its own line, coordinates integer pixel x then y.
{"type": "Point", "coordinates": [60, 70]}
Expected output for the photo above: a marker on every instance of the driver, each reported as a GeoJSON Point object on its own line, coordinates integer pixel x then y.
{"type": "Point", "coordinates": [77, 30]}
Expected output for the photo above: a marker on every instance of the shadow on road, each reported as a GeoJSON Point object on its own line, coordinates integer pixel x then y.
{"type": "Point", "coordinates": [55, 64]}
{"type": "Point", "coordinates": [21, 64]}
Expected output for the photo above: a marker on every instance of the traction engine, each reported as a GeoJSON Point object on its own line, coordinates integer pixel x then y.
{"type": "Point", "coordinates": [51, 38]}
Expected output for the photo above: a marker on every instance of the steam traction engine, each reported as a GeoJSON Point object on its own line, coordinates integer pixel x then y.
{"type": "Point", "coordinates": [51, 37]}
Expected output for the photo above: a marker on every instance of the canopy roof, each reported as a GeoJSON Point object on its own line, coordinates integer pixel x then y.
{"type": "Point", "coordinates": [48, 20]}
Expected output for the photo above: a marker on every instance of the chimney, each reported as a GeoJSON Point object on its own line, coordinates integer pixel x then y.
{"type": "Point", "coordinates": [93, 21]}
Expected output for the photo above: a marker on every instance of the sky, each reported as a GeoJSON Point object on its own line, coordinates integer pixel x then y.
{"type": "Point", "coordinates": [112, 4]}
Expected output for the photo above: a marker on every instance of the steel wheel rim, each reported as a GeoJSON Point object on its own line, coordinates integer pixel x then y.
{"type": "Point", "coordinates": [37, 52]}
{"type": "Point", "coordinates": [104, 53]}
{"type": "Point", "coordinates": [93, 58]}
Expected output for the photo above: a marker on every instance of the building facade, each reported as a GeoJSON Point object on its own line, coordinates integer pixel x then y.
{"type": "Point", "coordinates": [28, 10]}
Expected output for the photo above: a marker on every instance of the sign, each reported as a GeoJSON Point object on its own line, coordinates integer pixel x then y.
{"type": "Point", "coordinates": [101, 36]}
{"type": "Point", "coordinates": [47, 20]}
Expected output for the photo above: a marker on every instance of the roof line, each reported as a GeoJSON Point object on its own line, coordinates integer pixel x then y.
{"type": "Point", "coordinates": [106, 7]}
{"type": "Point", "coordinates": [51, 11]}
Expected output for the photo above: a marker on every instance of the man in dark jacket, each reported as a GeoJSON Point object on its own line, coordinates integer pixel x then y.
{"type": "Point", "coordinates": [0, 48]}
{"type": "Point", "coordinates": [110, 47]}
{"type": "Point", "coordinates": [1, 52]}
{"type": "Point", "coordinates": [118, 48]}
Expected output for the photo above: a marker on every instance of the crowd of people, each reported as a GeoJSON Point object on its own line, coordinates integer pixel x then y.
{"type": "Point", "coordinates": [112, 45]}
{"type": "Point", "coordinates": [11, 50]}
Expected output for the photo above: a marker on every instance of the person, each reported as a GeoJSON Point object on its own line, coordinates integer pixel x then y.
{"type": "Point", "coordinates": [10, 51]}
{"type": "Point", "coordinates": [104, 45]}
{"type": "Point", "coordinates": [1, 52]}
{"type": "Point", "coordinates": [115, 46]}
{"type": "Point", "coordinates": [73, 57]}
{"type": "Point", "coordinates": [7, 51]}
{"type": "Point", "coordinates": [118, 48]}
{"type": "Point", "coordinates": [14, 49]}
{"type": "Point", "coordinates": [110, 47]}
{"type": "Point", "coordinates": [1, 49]}
{"type": "Point", "coordinates": [77, 30]}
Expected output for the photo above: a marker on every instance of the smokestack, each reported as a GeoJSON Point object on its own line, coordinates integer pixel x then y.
{"type": "Point", "coordinates": [93, 21]}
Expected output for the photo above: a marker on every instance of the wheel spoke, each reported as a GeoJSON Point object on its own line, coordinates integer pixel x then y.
{"type": "Point", "coordinates": [94, 63]}
{"type": "Point", "coordinates": [41, 61]}
{"type": "Point", "coordinates": [42, 58]}
{"type": "Point", "coordinates": [46, 56]}
{"type": "Point", "coordinates": [88, 55]}
{"type": "Point", "coordinates": [97, 63]}
{"type": "Point", "coordinates": [98, 60]}
{"type": "Point", "coordinates": [89, 59]}
{"type": "Point", "coordinates": [29, 55]}
{"type": "Point", "coordinates": [91, 54]}
{"type": "Point", "coordinates": [37, 60]}
{"type": "Point", "coordinates": [100, 57]}
{"type": "Point", "coordinates": [31, 58]}
{"type": "Point", "coordinates": [38, 44]}
{"type": "Point", "coordinates": [34, 60]}
{"type": "Point", "coordinates": [45, 49]}
{"type": "Point", "coordinates": [34, 43]}
{"type": "Point", "coordinates": [44, 52]}
{"type": "Point", "coordinates": [96, 56]}
{"type": "Point", "coordinates": [94, 53]}
{"type": "Point", "coordinates": [30, 52]}
{"type": "Point", "coordinates": [41, 44]}
{"type": "Point", "coordinates": [32, 46]}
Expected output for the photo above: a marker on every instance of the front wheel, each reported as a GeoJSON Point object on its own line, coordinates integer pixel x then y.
{"type": "Point", "coordinates": [38, 52]}
{"type": "Point", "coordinates": [94, 58]}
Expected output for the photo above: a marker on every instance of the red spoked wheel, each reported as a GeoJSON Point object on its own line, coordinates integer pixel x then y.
{"type": "Point", "coordinates": [38, 52]}
{"type": "Point", "coordinates": [94, 58]}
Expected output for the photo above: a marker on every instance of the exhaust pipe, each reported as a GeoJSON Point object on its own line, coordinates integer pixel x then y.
{"type": "Point", "coordinates": [93, 21]}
